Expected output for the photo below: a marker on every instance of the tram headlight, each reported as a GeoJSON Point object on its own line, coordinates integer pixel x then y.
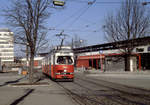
{"type": "Point", "coordinates": [57, 73]}
{"type": "Point", "coordinates": [65, 70]}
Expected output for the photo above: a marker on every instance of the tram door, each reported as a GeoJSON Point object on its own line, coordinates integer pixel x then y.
{"type": "Point", "coordinates": [52, 64]}
{"type": "Point", "coordinates": [49, 59]}
{"type": "Point", "coordinates": [53, 71]}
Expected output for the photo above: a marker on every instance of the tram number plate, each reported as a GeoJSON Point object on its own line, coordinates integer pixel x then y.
{"type": "Point", "coordinates": [65, 77]}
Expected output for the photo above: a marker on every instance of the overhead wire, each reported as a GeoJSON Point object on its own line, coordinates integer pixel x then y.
{"type": "Point", "coordinates": [70, 17]}
{"type": "Point", "coordinates": [78, 15]}
{"type": "Point", "coordinates": [100, 2]}
{"type": "Point", "coordinates": [85, 8]}
{"type": "Point", "coordinates": [77, 18]}
{"type": "Point", "coordinates": [80, 12]}
{"type": "Point", "coordinates": [83, 12]}
{"type": "Point", "coordinates": [74, 30]}
{"type": "Point", "coordinates": [97, 2]}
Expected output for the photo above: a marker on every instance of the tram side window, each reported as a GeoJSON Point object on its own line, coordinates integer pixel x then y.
{"type": "Point", "coordinates": [64, 60]}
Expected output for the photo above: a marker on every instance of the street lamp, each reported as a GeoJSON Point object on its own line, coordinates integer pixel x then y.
{"type": "Point", "coordinates": [81, 42]}
{"type": "Point", "coordinates": [145, 3]}
{"type": "Point", "coordinates": [58, 3]}
{"type": "Point", "coordinates": [27, 56]}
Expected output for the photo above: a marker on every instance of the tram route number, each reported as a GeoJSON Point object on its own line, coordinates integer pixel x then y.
{"type": "Point", "coordinates": [64, 77]}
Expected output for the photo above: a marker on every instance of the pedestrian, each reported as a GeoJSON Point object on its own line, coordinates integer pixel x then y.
{"type": "Point", "coordinates": [3, 66]}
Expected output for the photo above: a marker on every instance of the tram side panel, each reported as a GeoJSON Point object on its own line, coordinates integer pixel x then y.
{"type": "Point", "coordinates": [47, 66]}
{"type": "Point", "coordinates": [52, 63]}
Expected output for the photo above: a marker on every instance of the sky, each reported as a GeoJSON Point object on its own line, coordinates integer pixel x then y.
{"type": "Point", "coordinates": [85, 21]}
{"type": "Point", "coordinates": [77, 18]}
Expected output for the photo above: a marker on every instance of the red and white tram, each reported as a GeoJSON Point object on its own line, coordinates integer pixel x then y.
{"type": "Point", "coordinates": [59, 64]}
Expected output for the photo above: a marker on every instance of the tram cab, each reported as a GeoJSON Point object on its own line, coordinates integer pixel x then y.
{"type": "Point", "coordinates": [60, 63]}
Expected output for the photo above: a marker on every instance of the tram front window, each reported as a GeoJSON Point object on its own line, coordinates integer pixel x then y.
{"type": "Point", "coordinates": [64, 60]}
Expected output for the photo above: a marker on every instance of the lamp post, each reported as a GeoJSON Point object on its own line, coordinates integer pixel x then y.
{"type": "Point", "coordinates": [81, 42]}
{"type": "Point", "coordinates": [27, 55]}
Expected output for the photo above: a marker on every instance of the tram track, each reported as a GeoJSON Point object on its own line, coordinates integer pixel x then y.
{"type": "Point", "coordinates": [126, 95]}
{"type": "Point", "coordinates": [116, 97]}
{"type": "Point", "coordinates": [86, 97]}
{"type": "Point", "coordinates": [77, 98]}
{"type": "Point", "coordinates": [121, 88]}
{"type": "Point", "coordinates": [111, 95]}
{"type": "Point", "coordinates": [81, 99]}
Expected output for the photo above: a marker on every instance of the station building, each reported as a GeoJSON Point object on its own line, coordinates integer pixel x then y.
{"type": "Point", "coordinates": [109, 57]}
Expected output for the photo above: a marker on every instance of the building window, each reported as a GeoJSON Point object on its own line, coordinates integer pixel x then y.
{"type": "Point", "coordinates": [7, 58]}
{"type": "Point", "coordinates": [6, 50]}
{"type": "Point", "coordinates": [139, 49]}
{"type": "Point", "coordinates": [6, 35]}
{"type": "Point", "coordinates": [7, 54]}
{"type": "Point", "coordinates": [4, 42]}
{"type": "Point", "coordinates": [148, 49]}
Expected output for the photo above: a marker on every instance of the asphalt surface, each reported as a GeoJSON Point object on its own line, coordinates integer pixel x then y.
{"type": "Point", "coordinates": [53, 94]}
{"type": "Point", "coordinates": [138, 79]}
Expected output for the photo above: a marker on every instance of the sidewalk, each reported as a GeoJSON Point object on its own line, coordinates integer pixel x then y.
{"type": "Point", "coordinates": [49, 94]}
{"type": "Point", "coordinates": [46, 94]}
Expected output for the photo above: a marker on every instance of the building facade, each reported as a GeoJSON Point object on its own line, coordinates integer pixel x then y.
{"type": "Point", "coordinates": [6, 46]}
{"type": "Point", "coordinates": [37, 62]}
{"type": "Point", "coordinates": [111, 56]}
{"type": "Point", "coordinates": [110, 60]}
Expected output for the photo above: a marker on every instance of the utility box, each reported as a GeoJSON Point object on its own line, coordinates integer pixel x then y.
{"type": "Point", "coordinates": [19, 71]}
{"type": "Point", "coordinates": [24, 72]}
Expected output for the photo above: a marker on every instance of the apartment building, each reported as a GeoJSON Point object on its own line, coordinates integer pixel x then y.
{"type": "Point", "coordinates": [6, 46]}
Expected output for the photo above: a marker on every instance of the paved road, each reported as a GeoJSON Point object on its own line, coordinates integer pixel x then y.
{"type": "Point", "coordinates": [95, 89]}
{"type": "Point", "coordinates": [88, 88]}
{"type": "Point", "coordinates": [134, 79]}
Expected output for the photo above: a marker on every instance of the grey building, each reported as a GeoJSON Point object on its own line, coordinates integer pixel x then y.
{"type": "Point", "coordinates": [6, 46]}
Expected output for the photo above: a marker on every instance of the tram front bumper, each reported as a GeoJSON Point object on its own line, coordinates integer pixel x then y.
{"type": "Point", "coordinates": [64, 75]}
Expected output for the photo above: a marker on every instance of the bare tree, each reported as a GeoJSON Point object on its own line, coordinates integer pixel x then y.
{"type": "Point", "coordinates": [130, 22]}
{"type": "Point", "coordinates": [77, 42]}
{"type": "Point", "coordinates": [28, 17]}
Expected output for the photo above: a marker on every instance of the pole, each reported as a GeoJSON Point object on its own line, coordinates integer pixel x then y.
{"type": "Point", "coordinates": [27, 57]}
